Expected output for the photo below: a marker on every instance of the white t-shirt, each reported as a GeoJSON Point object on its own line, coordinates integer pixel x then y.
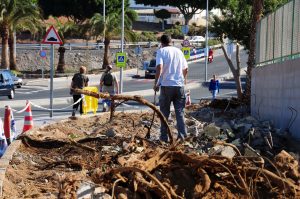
{"type": "Point", "coordinates": [173, 62]}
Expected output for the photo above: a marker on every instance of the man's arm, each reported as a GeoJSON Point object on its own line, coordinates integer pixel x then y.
{"type": "Point", "coordinates": [157, 76]}
{"type": "Point", "coordinates": [185, 72]}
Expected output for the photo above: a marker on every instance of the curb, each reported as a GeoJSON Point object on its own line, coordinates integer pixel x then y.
{"type": "Point", "coordinates": [5, 160]}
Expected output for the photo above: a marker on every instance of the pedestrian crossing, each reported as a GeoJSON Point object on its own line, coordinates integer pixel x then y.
{"type": "Point", "coordinates": [32, 89]}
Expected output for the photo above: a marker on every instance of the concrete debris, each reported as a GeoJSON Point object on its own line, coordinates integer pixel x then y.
{"type": "Point", "coordinates": [110, 132]}
{"type": "Point", "coordinates": [211, 130]}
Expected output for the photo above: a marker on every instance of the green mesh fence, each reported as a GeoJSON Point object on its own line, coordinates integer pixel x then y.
{"type": "Point", "coordinates": [278, 35]}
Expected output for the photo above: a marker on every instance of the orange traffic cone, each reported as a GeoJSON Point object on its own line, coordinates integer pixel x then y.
{"type": "Point", "coordinates": [188, 98]}
{"type": "Point", "coordinates": [6, 124]}
{"type": "Point", "coordinates": [28, 122]}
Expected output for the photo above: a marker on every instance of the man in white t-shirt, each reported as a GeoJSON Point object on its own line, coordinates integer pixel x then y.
{"type": "Point", "coordinates": [171, 72]}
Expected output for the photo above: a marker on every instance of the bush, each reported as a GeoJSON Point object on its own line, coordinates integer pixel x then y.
{"type": "Point", "coordinates": [175, 32]}
{"type": "Point", "coordinates": [146, 36]}
{"type": "Point", "coordinates": [213, 42]}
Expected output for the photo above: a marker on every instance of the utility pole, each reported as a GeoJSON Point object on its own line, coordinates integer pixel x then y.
{"type": "Point", "coordinates": [122, 49]}
{"type": "Point", "coordinates": [104, 18]}
{"type": "Point", "coordinates": [206, 41]}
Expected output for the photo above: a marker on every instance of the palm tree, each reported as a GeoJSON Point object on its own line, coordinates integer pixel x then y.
{"type": "Point", "coordinates": [12, 13]}
{"type": "Point", "coordinates": [27, 17]}
{"type": "Point", "coordinates": [112, 28]}
{"type": "Point", "coordinates": [63, 30]}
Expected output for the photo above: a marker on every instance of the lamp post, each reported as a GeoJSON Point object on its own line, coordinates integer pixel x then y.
{"type": "Point", "coordinates": [122, 48]}
{"type": "Point", "coordinates": [104, 18]}
{"type": "Point", "coordinates": [206, 41]}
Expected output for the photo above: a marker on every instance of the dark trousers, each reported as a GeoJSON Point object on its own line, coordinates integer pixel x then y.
{"type": "Point", "coordinates": [176, 95]}
{"type": "Point", "coordinates": [75, 106]}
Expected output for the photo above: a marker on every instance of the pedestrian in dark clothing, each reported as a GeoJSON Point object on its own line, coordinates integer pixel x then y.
{"type": "Point", "coordinates": [79, 81]}
{"type": "Point", "coordinates": [214, 87]}
{"type": "Point", "coordinates": [171, 72]}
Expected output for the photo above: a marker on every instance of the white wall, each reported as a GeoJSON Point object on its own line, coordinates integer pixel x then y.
{"type": "Point", "coordinates": [275, 88]}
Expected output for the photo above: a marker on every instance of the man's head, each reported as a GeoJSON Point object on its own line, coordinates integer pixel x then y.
{"type": "Point", "coordinates": [108, 67]}
{"type": "Point", "coordinates": [165, 40]}
{"type": "Point", "coordinates": [82, 69]}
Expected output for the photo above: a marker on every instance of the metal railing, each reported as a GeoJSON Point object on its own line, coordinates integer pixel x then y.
{"type": "Point", "coordinates": [278, 35]}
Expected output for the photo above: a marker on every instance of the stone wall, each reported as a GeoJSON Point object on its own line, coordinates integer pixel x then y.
{"type": "Point", "coordinates": [276, 95]}
{"type": "Point", "coordinates": [29, 60]}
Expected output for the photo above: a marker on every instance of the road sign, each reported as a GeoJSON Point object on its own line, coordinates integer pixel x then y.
{"type": "Point", "coordinates": [186, 43]}
{"type": "Point", "coordinates": [43, 54]}
{"type": "Point", "coordinates": [186, 52]}
{"type": "Point", "coordinates": [52, 37]}
{"type": "Point", "coordinates": [185, 29]}
{"type": "Point", "coordinates": [138, 50]}
{"type": "Point", "coordinates": [121, 59]}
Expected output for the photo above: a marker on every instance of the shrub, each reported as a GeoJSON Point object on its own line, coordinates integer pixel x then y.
{"type": "Point", "coordinates": [175, 32]}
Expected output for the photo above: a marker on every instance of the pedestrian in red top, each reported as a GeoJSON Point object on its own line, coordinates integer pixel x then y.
{"type": "Point", "coordinates": [210, 55]}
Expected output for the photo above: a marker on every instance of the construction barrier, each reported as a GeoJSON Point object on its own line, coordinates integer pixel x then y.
{"type": "Point", "coordinates": [28, 122]}
{"type": "Point", "coordinates": [90, 103]}
{"type": "Point", "coordinates": [7, 124]}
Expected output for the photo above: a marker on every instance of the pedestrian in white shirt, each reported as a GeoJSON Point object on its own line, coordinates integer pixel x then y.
{"type": "Point", "coordinates": [171, 73]}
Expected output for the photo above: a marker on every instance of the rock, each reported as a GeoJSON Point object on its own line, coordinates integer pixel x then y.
{"type": "Point", "coordinates": [228, 152]}
{"type": "Point", "coordinates": [249, 152]}
{"type": "Point", "coordinates": [225, 151]}
{"type": "Point", "coordinates": [237, 142]}
{"type": "Point", "coordinates": [215, 150]}
{"type": "Point", "coordinates": [250, 119]}
{"type": "Point", "coordinates": [99, 193]}
{"type": "Point", "coordinates": [211, 130]}
{"type": "Point", "coordinates": [110, 132]}
{"type": "Point", "coordinates": [193, 130]}
{"type": "Point", "coordinates": [225, 125]}
{"type": "Point", "coordinates": [85, 190]}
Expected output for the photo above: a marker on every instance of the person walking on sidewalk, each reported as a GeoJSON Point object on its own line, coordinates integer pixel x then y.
{"type": "Point", "coordinates": [108, 84]}
{"type": "Point", "coordinates": [171, 73]}
{"type": "Point", "coordinates": [214, 87]}
{"type": "Point", "coordinates": [79, 81]}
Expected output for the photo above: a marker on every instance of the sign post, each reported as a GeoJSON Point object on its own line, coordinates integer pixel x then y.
{"type": "Point", "coordinates": [51, 38]}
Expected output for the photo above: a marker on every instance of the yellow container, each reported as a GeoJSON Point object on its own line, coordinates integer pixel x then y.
{"type": "Point", "coordinates": [90, 103]}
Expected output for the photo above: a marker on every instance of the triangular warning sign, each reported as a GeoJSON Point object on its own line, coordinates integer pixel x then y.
{"type": "Point", "coordinates": [52, 37]}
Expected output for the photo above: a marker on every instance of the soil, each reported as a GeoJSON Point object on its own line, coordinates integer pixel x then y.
{"type": "Point", "coordinates": [53, 162]}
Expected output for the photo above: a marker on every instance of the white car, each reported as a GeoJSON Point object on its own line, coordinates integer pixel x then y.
{"type": "Point", "coordinates": [196, 39]}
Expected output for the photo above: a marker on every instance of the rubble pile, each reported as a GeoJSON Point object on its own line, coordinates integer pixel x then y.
{"type": "Point", "coordinates": [228, 154]}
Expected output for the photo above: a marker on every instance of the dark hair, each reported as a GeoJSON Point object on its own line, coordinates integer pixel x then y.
{"type": "Point", "coordinates": [165, 39]}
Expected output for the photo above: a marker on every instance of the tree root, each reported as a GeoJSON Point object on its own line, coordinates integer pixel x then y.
{"type": "Point", "coordinates": [136, 98]}
{"type": "Point", "coordinates": [150, 176]}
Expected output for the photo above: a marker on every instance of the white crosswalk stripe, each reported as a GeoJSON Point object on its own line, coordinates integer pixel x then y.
{"type": "Point", "coordinates": [27, 90]}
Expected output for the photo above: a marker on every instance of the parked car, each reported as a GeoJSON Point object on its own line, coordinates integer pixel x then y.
{"type": "Point", "coordinates": [150, 70]}
{"type": "Point", "coordinates": [196, 39]}
{"type": "Point", "coordinates": [7, 87]}
{"type": "Point", "coordinates": [18, 82]}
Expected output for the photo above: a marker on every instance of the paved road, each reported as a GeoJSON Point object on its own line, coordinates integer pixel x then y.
{"type": "Point", "coordinates": [37, 91]}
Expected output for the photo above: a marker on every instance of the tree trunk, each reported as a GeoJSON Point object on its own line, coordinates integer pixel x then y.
{"type": "Point", "coordinates": [61, 59]}
{"type": "Point", "coordinates": [187, 19]}
{"type": "Point", "coordinates": [106, 52]}
{"type": "Point", "coordinates": [235, 71]}
{"type": "Point", "coordinates": [4, 53]}
{"type": "Point", "coordinates": [12, 51]}
{"type": "Point", "coordinates": [257, 8]}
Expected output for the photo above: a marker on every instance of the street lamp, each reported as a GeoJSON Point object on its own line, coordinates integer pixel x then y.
{"type": "Point", "coordinates": [104, 18]}
{"type": "Point", "coordinates": [206, 41]}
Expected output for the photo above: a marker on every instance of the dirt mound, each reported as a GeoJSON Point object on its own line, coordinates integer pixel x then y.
{"type": "Point", "coordinates": [96, 156]}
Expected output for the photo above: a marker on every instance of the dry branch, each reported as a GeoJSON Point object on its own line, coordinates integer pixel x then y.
{"type": "Point", "coordinates": [136, 98]}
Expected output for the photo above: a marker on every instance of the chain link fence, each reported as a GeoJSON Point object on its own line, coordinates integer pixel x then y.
{"type": "Point", "coordinates": [278, 35]}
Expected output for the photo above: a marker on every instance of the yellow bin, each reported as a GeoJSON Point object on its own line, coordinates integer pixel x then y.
{"type": "Point", "coordinates": [90, 103]}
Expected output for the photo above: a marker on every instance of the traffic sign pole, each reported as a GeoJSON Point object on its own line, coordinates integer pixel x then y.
{"type": "Point", "coordinates": [206, 41]}
{"type": "Point", "coordinates": [51, 79]}
{"type": "Point", "coordinates": [122, 49]}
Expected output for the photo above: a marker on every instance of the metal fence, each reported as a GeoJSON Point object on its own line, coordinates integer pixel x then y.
{"type": "Point", "coordinates": [278, 35]}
